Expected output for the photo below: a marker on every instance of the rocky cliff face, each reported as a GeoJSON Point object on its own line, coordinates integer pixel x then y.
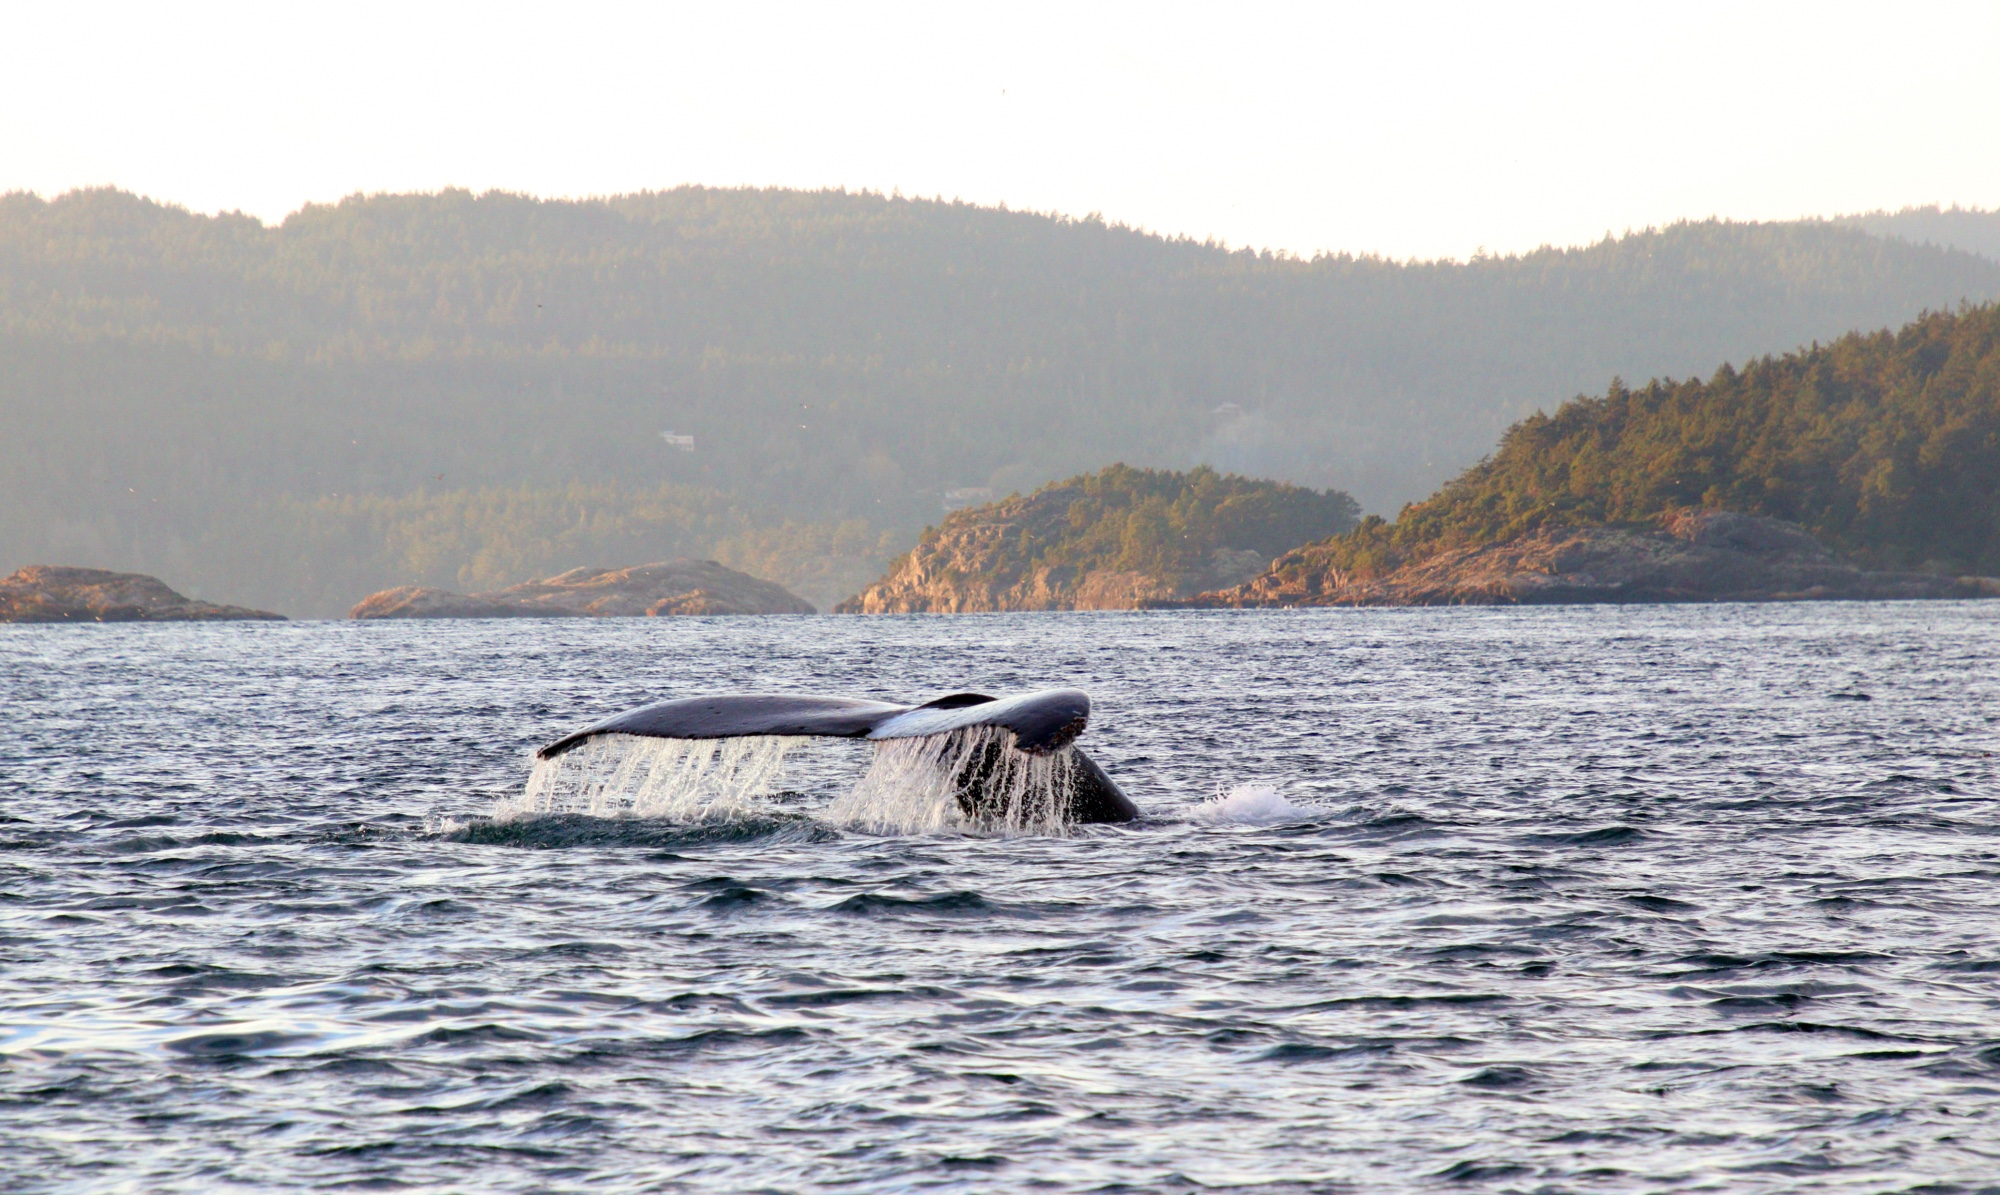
{"type": "Point", "coordinates": [986, 563]}
{"type": "Point", "coordinates": [647, 590]}
{"type": "Point", "coordinates": [52, 593]}
{"type": "Point", "coordinates": [1698, 556]}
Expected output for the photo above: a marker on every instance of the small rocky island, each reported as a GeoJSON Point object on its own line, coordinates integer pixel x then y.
{"type": "Point", "coordinates": [1696, 556]}
{"type": "Point", "coordinates": [54, 593]}
{"type": "Point", "coordinates": [673, 587]}
{"type": "Point", "coordinates": [1111, 540]}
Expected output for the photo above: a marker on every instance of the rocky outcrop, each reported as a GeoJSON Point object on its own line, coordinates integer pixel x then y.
{"type": "Point", "coordinates": [647, 590]}
{"type": "Point", "coordinates": [983, 560]}
{"type": "Point", "coordinates": [1697, 556]}
{"type": "Point", "coordinates": [423, 601]}
{"type": "Point", "coordinates": [52, 593]}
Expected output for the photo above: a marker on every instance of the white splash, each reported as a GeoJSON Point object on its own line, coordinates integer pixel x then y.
{"type": "Point", "coordinates": [622, 775]}
{"type": "Point", "coordinates": [1250, 805]}
{"type": "Point", "coordinates": [913, 786]}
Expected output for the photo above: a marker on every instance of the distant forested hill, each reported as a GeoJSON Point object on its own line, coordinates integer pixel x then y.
{"type": "Point", "coordinates": [224, 403]}
{"type": "Point", "coordinates": [1884, 445]}
{"type": "Point", "coordinates": [1969, 229]}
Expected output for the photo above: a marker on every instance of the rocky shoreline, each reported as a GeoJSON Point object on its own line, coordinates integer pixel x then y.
{"type": "Point", "coordinates": [1697, 556]}
{"type": "Point", "coordinates": [57, 593]}
{"type": "Point", "coordinates": [682, 587]}
{"type": "Point", "coordinates": [978, 563]}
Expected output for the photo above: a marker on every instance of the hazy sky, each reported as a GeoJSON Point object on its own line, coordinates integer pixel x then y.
{"type": "Point", "coordinates": [1406, 129]}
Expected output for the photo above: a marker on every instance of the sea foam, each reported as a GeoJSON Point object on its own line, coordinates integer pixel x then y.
{"type": "Point", "coordinates": [1253, 804]}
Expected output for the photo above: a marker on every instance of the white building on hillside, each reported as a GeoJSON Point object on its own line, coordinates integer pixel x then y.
{"type": "Point", "coordinates": [978, 495]}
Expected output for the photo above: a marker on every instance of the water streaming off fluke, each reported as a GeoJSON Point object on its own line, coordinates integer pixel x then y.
{"type": "Point", "coordinates": [622, 775]}
{"type": "Point", "coordinates": [973, 779]}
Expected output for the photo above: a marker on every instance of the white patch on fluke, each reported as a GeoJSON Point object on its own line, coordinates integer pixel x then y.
{"type": "Point", "coordinates": [1250, 805]}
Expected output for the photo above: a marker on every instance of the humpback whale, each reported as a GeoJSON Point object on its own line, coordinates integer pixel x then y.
{"type": "Point", "coordinates": [997, 734]}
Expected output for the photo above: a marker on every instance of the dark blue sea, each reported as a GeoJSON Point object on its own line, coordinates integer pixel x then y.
{"type": "Point", "coordinates": [1649, 899]}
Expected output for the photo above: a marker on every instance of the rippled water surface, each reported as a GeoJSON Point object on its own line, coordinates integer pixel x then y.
{"type": "Point", "coordinates": [1575, 899]}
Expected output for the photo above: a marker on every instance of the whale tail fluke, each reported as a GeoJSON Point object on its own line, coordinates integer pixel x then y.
{"type": "Point", "coordinates": [1005, 760]}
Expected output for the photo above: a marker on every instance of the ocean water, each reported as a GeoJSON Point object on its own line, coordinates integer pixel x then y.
{"type": "Point", "coordinates": [1554, 900]}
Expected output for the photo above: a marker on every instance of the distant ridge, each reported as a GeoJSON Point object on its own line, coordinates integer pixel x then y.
{"type": "Point", "coordinates": [220, 400]}
{"type": "Point", "coordinates": [1972, 230]}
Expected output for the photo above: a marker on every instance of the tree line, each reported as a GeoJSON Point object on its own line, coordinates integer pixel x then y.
{"type": "Point", "coordinates": [1885, 445]}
